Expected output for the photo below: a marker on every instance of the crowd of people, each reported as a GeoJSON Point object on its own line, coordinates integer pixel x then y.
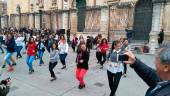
{"type": "Point", "coordinates": [34, 44]}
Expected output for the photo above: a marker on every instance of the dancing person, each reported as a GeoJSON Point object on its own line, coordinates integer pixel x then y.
{"type": "Point", "coordinates": [10, 43]}
{"type": "Point", "coordinates": [98, 51]}
{"type": "Point", "coordinates": [63, 50]}
{"type": "Point", "coordinates": [104, 46]}
{"type": "Point", "coordinates": [74, 42]}
{"type": "Point", "coordinates": [79, 45]}
{"type": "Point", "coordinates": [82, 65]}
{"type": "Point", "coordinates": [31, 53]}
{"type": "Point", "coordinates": [115, 68]}
{"type": "Point", "coordinates": [49, 43]}
{"type": "Point", "coordinates": [19, 45]}
{"type": "Point", "coordinates": [41, 50]}
{"type": "Point", "coordinates": [54, 56]}
{"type": "Point", "coordinates": [88, 43]}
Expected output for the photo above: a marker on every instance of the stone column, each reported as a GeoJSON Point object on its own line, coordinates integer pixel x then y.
{"type": "Point", "coordinates": [2, 21]}
{"type": "Point", "coordinates": [65, 20]}
{"type": "Point", "coordinates": [17, 21]}
{"type": "Point", "coordinates": [31, 20]}
{"type": "Point", "coordinates": [166, 21]}
{"type": "Point", "coordinates": [18, 17]}
{"type": "Point", "coordinates": [47, 21]}
{"type": "Point", "coordinates": [37, 21]}
{"type": "Point", "coordinates": [54, 21]}
{"type": "Point", "coordinates": [156, 25]}
{"type": "Point", "coordinates": [104, 21]}
{"type": "Point", "coordinates": [73, 21]}
{"type": "Point", "coordinates": [65, 15]}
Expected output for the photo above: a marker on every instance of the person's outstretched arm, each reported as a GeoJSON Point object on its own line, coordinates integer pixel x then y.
{"type": "Point", "coordinates": [148, 74]}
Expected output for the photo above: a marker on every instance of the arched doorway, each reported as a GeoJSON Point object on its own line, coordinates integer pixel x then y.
{"type": "Point", "coordinates": [142, 20]}
{"type": "Point", "coordinates": [81, 14]}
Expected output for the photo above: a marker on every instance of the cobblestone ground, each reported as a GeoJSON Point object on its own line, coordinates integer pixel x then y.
{"type": "Point", "coordinates": [38, 84]}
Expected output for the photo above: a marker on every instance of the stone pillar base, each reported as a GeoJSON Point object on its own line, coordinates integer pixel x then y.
{"type": "Point", "coordinates": [153, 42]}
{"type": "Point", "coordinates": [167, 36]}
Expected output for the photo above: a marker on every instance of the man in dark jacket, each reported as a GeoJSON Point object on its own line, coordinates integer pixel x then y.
{"type": "Point", "coordinates": [161, 37]}
{"type": "Point", "coordinates": [159, 80]}
{"type": "Point", "coordinates": [4, 87]}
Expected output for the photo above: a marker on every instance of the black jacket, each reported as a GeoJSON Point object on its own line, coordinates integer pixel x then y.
{"type": "Point", "coordinates": [4, 90]}
{"type": "Point", "coordinates": [85, 57]}
{"type": "Point", "coordinates": [157, 86]}
{"type": "Point", "coordinates": [11, 45]}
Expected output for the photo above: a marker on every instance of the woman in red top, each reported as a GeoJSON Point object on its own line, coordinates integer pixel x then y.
{"type": "Point", "coordinates": [31, 53]}
{"type": "Point", "coordinates": [104, 46]}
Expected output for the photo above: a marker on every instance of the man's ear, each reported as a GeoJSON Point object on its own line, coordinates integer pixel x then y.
{"type": "Point", "coordinates": [166, 68]}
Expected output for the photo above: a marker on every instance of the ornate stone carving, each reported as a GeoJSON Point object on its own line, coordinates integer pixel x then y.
{"type": "Point", "coordinates": [54, 2]}
{"type": "Point", "coordinates": [40, 3]}
{"type": "Point", "coordinates": [18, 9]}
{"type": "Point", "coordinates": [31, 7]}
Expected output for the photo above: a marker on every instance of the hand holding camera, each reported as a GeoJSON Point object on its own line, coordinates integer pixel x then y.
{"type": "Point", "coordinates": [131, 59]}
{"type": "Point", "coordinates": [128, 57]}
{"type": "Point", "coordinates": [5, 82]}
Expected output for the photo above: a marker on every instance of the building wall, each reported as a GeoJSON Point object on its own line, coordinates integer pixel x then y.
{"type": "Point", "coordinates": [58, 20]}
{"type": "Point", "coordinates": [12, 5]}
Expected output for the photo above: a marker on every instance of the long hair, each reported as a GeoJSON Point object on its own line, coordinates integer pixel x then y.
{"type": "Point", "coordinates": [55, 45]}
{"type": "Point", "coordinates": [114, 44]}
{"type": "Point", "coordinates": [104, 39]}
{"type": "Point", "coordinates": [63, 37]}
{"type": "Point", "coordinates": [29, 41]}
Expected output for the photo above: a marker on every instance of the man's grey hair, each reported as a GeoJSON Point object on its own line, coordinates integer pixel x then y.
{"type": "Point", "coordinates": [164, 54]}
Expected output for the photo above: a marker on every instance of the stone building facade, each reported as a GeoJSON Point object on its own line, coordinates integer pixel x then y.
{"type": "Point", "coordinates": [3, 14]}
{"type": "Point", "coordinates": [108, 17]}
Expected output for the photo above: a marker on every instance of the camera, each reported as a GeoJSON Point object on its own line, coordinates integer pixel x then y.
{"type": "Point", "coordinates": [123, 57]}
{"type": "Point", "coordinates": [5, 82]}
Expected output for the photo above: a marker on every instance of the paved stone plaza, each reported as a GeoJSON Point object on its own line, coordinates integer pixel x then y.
{"type": "Point", "coordinates": [38, 84]}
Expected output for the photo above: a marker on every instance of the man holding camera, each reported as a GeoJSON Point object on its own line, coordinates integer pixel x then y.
{"type": "Point", "coordinates": [159, 80]}
{"type": "Point", "coordinates": [4, 87]}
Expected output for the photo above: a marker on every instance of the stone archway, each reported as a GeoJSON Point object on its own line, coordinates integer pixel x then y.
{"type": "Point", "coordinates": [142, 20]}
{"type": "Point", "coordinates": [81, 14]}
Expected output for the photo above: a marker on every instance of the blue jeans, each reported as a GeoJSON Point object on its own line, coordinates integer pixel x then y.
{"type": "Point", "coordinates": [19, 48]}
{"type": "Point", "coordinates": [7, 58]}
{"type": "Point", "coordinates": [62, 58]}
{"type": "Point", "coordinates": [48, 49]}
{"type": "Point", "coordinates": [40, 55]}
{"type": "Point", "coordinates": [29, 61]}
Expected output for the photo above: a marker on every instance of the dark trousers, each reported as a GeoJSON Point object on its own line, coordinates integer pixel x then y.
{"type": "Point", "coordinates": [51, 67]}
{"type": "Point", "coordinates": [88, 48]}
{"type": "Point", "coordinates": [48, 49]}
{"type": "Point", "coordinates": [63, 58]}
{"type": "Point", "coordinates": [102, 58]}
{"type": "Point", "coordinates": [98, 56]}
{"type": "Point", "coordinates": [19, 48]}
{"type": "Point", "coordinates": [1, 47]}
{"type": "Point", "coordinates": [125, 68]}
{"type": "Point", "coordinates": [114, 80]}
{"type": "Point", "coordinates": [73, 47]}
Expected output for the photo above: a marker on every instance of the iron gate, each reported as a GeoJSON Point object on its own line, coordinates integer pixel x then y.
{"type": "Point", "coordinates": [142, 20]}
{"type": "Point", "coordinates": [81, 6]}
